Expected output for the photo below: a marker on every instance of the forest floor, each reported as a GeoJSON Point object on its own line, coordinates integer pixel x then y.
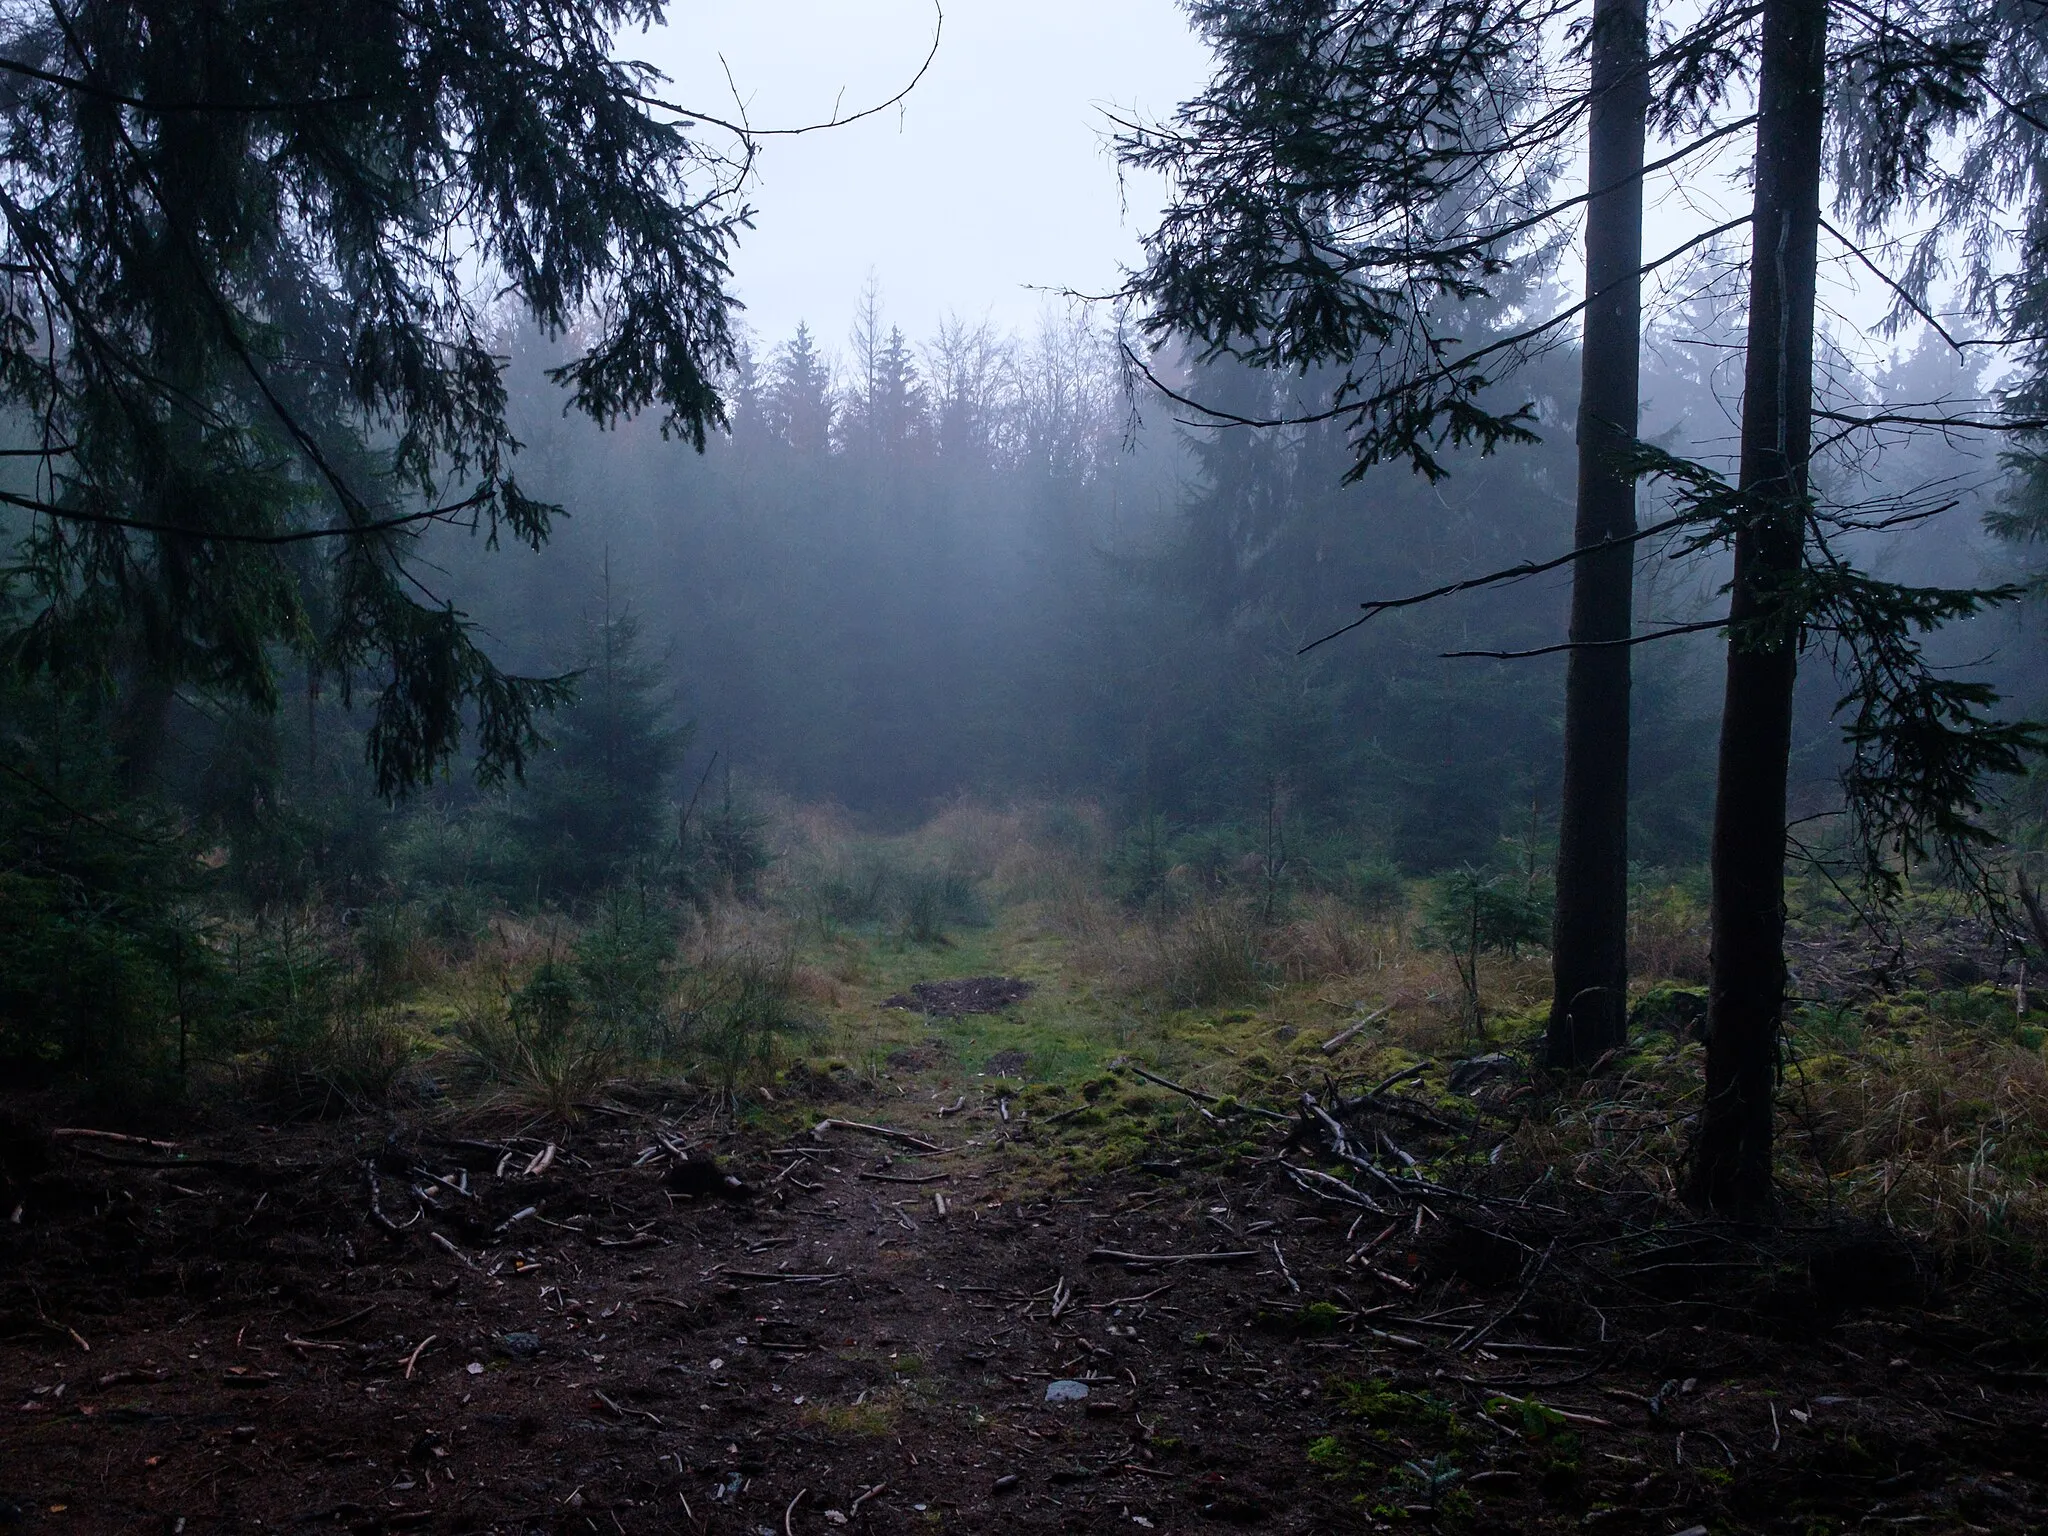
{"type": "Point", "coordinates": [448, 1320]}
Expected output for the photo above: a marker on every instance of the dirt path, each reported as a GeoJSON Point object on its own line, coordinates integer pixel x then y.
{"type": "Point", "coordinates": [863, 1338]}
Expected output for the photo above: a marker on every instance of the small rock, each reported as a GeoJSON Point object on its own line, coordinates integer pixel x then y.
{"type": "Point", "coordinates": [1065, 1391]}
{"type": "Point", "coordinates": [475, 1367]}
{"type": "Point", "coordinates": [835, 1516]}
{"type": "Point", "coordinates": [521, 1346]}
{"type": "Point", "coordinates": [1005, 1483]}
{"type": "Point", "coordinates": [244, 1433]}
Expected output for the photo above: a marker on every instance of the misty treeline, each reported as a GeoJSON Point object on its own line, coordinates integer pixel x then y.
{"type": "Point", "coordinates": [972, 565]}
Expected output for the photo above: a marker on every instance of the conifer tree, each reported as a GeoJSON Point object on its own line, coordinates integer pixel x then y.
{"type": "Point", "coordinates": [239, 252]}
{"type": "Point", "coordinates": [799, 396]}
{"type": "Point", "coordinates": [595, 804]}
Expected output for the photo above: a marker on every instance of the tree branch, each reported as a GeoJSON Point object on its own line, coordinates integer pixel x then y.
{"type": "Point", "coordinates": [743, 130]}
{"type": "Point", "coordinates": [1589, 645]}
{"type": "Point", "coordinates": [213, 536]}
{"type": "Point", "coordinates": [1492, 578]}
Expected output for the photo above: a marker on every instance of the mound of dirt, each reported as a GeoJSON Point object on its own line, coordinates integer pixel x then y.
{"type": "Point", "coordinates": [969, 994]}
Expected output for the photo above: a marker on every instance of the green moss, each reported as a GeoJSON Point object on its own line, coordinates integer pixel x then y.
{"type": "Point", "coordinates": [869, 1420]}
{"type": "Point", "coordinates": [1315, 1320]}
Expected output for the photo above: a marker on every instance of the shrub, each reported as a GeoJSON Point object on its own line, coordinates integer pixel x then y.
{"type": "Point", "coordinates": [540, 1043]}
{"type": "Point", "coordinates": [1212, 956]}
{"type": "Point", "coordinates": [739, 1007]}
{"type": "Point", "coordinates": [107, 970]}
{"type": "Point", "coordinates": [622, 973]}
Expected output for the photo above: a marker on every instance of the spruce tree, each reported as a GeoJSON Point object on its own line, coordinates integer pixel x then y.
{"type": "Point", "coordinates": [595, 805]}
{"type": "Point", "coordinates": [240, 246]}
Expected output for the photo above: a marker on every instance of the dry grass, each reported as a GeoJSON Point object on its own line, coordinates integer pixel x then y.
{"type": "Point", "coordinates": [1667, 935]}
{"type": "Point", "coordinates": [1945, 1135]}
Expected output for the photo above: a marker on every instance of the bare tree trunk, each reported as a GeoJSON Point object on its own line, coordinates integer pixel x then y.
{"type": "Point", "coordinates": [1589, 934]}
{"type": "Point", "coordinates": [1731, 1169]}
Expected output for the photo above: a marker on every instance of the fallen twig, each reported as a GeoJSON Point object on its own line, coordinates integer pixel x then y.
{"type": "Point", "coordinates": [1330, 1187]}
{"type": "Point", "coordinates": [69, 1131]}
{"type": "Point", "coordinates": [448, 1184]}
{"type": "Point", "coordinates": [1399, 1077]}
{"type": "Point", "coordinates": [451, 1248]}
{"type": "Point", "coordinates": [1472, 1339]}
{"type": "Point", "coordinates": [341, 1322]}
{"type": "Point", "coordinates": [413, 1359]}
{"type": "Point", "coordinates": [377, 1202]}
{"type": "Point", "coordinates": [1125, 1301]}
{"type": "Point", "coordinates": [1197, 1095]}
{"type": "Point", "coordinates": [1118, 1256]}
{"type": "Point", "coordinates": [888, 1132]}
{"type": "Point", "coordinates": [1331, 1045]}
{"type": "Point", "coordinates": [1285, 1273]}
{"type": "Point", "coordinates": [903, 1178]}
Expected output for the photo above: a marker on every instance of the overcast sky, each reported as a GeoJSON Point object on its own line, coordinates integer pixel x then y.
{"type": "Point", "coordinates": [990, 180]}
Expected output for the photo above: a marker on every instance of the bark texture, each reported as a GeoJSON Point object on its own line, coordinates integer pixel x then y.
{"type": "Point", "coordinates": [1589, 941]}
{"type": "Point", "coordinates": [1731, 1169]}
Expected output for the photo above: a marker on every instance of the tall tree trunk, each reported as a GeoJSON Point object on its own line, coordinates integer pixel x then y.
{"type": "Point", "coordinates": [1589, 936]}
{"type": "Point", "coordinates": [1731, 1169]}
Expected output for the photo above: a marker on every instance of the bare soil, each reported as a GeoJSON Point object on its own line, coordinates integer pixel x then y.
{"type": "Point", "coordinates": [227, 1334]}
{"type": "Point", "coordinates": [961, 996]}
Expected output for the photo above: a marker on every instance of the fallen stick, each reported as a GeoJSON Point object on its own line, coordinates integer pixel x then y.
{"type": "Point", "coordinates": [377, 1203]}
{"type": "Point", "coordinates": [903, 1178]}
{"type": "Point", "coordinates": [1197, 1095]}
{"type": "Point", "coordinates": [1566, 1414]}
{"type": "Point", "coordinates": [1399, 1077]}
{"type": "Point", "coordinates": [854, 1507]}
{"type": "Point", "coordinates": [457, 1252]}
{"type": "Point", "coordinates": [413, 1359]}
{"type": "Point", "coordinates": [1478, 1334]}
{"type": "Point", "coordinates": [127, 1141]}
{"type": "Point", "coordinates": [341, 1322]}
{"type": "Point", "coordinates": [769, 1277]}
{"type": "Point", "coordinates": [1330, 1045]}
{"type": "Point", "coordinates": [1118, 1256]}
{"type": "Point", "coordinates": [888, 1132]}
{"type": "Point", "coordinates": [448, 1184]}
{"type": "Point", "coordinates": [790, 1509]}
{"type": "Point", "coordinates": [1285, 1273]}
{"type": "Point", "coordinates": [1314, 1181]}
{"type": "Point", "coordinates": [1124, 1301]}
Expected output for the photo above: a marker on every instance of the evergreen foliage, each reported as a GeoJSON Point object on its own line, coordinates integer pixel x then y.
{"type": "Point", "coordinates": [243, 336]}
{"type": "Point", "coordinates": [595, 804]}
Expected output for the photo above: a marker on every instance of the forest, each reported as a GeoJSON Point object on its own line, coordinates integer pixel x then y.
{"type": "Point", "coordinates": [1389, 879]}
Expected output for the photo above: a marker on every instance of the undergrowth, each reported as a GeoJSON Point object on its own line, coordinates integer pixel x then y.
{"type": "Point", "coordinates": [1915, 1093]}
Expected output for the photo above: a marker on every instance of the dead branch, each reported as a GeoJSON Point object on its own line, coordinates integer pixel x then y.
{"type": "Point", "coordinates": [1197, 1095]}
{"type": "Point", "coordinates": [887, 1132]}
{"type": "Point", "coordinates": [1331, 1045]}
{"type": "Point", "coordinates": [1118, 1256]}
{"type": "Point", "coordinates": [68, 1131]}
